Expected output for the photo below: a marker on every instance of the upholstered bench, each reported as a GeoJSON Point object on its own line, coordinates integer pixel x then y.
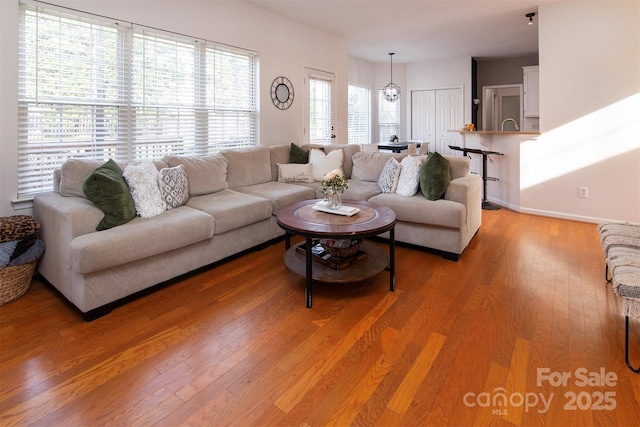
{"type": "Point", "coordinates": [621, 248]}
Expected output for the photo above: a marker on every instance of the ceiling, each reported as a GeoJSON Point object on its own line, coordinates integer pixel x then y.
{"type": "Point", "coordinates": [420, 30]}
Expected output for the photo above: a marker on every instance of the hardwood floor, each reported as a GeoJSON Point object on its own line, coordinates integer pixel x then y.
{"type": "Point", "coordinates": [234, 345]}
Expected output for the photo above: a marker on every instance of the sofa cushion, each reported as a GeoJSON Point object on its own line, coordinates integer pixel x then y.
{"type": "Point", "coordinates": [417, 209]}
{"type": "Point", "coordinates": [206, 174]}
{"type": "Point", "coordinates": [409, 179]}
{"type": "Point", "coordinates": [278, 154]}
{"type": "Point", "coordinates": [140, 238]}
{"type": "Point", "coordinates": [107, 189]}
{"type": "Point", "coordinates": [358, 190]}
{"type": "Point", "coordinates": [298, 154]}
{"type": "Point", "coordinates": [459, 166]}
{"type": "Point", "coordinates": [248, 166]}
{"type": "Point", "coordinates": [367, 165]}
{"type": "Point", "coordinates": [232, 209]}
{"type": "Point", "coordinates": [142, 179]}
{"type": "Point", "coordinates": [69, 179]}
{"type": "Point", "coordinates": [174, 186]}
{"type": "Point", "coordinates": [73, 174]}
{"type": "Point", "coordinates": [324, 163]}
{"type": "Point", "coordinates": [435, 176]}
{"type": "Point", "coordinates": [279, 194]}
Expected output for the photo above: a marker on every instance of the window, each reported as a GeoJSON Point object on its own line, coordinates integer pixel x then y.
{"type": "Point", "coordinates": [94, 89]}
{"type": "Point", "coordinates": [320, 107]}
{"type": "Point", "coordinates": [388, 118]}
{"type": "Point", "coordinates": [359, 115]}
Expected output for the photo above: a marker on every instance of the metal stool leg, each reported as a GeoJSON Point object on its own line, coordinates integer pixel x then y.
{"type": "Point", "coordinates": [626, 347]}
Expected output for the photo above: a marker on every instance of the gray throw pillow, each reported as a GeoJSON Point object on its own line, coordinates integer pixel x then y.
{"type": "Point", "coordinates": [434, 176]}
{"type": "Point", "coordinates": [388, 180]}
{"type": "Point", "coordinates": [174, 186]}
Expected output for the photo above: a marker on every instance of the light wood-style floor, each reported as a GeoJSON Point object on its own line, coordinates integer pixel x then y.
{"type": "Point", "coordinates": [523, 331]}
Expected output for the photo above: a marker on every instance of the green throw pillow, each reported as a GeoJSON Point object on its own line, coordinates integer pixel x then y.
{"type": "Point", "coordinates": [108, 190]}
{"type": "Point", "coordinates": [298, 155]}
{"type": "Point", "coordinates": [434, 176]}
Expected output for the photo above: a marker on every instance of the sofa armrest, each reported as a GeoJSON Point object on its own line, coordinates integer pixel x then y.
{"type": "Point", "coordinates": [465, 190]}
{"type": "Point", "coordinates": [61, 219]}
{"type": "Point", "coordinates": [468, 191]}
{"type": "Point", "coordinates": [68, 216]}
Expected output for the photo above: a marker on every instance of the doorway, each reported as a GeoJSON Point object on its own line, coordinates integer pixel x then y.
{"type": "Point", "coordinates": [502, 108]}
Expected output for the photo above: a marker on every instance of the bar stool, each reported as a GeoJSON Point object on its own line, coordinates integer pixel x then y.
{"type": "Point", "coordinates": [485, 154]}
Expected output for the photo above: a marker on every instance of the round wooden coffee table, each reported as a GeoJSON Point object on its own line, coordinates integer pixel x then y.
{"type": "Point", "coordinates": [302, 219]}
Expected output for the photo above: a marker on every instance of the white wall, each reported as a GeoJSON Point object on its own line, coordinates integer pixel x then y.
{"type": "Point", "coordinates": [589, 113]}
{"type": "Point", "coordinates": [285, 48]}
{"type": "Point", "coordinates": [363, 73]}
{"type": "Point", "coordinates": [445, 74]}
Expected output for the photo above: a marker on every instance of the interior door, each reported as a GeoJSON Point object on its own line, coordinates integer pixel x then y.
{"type": "Point", "coordinates": [433, 114]}
{"type": "Point", "coordinates": [449, 116]}
{"type": "Point", "coordinates": [423, 115]}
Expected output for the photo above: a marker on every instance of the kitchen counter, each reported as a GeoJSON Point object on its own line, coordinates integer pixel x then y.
{"type": "Point", "coordinates": [494, 132]}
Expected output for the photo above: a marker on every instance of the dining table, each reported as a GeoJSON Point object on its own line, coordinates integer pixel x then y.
{"type": "Point", "coordinates": [395, 147]}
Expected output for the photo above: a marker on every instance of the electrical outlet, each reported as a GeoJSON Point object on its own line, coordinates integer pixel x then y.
{"type": "Point", "coordinates": [583, 192]}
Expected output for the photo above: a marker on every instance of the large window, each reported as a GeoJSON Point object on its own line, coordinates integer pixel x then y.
{"type": "Point", "coordinates": [94, 89]}
{"type": "Point", "coordinates": [388, 118]}
{"type": "Point", "coordinates": [320, 107]}
{"type": "Point", "coordinates": [359, 115]}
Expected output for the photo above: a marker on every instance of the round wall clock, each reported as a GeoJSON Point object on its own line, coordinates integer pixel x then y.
{"type": "Point", "coordinates": [282, 93]}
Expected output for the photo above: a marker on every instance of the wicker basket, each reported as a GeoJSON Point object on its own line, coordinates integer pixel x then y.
{"type": "Point", "coordinates": [341, 248]}
{"type": "Point", "coordinates": [15, 281]}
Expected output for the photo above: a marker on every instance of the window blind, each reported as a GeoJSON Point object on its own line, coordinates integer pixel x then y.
{"type": "Point", "coordinates": [98, 89]}
{"type": "Point", "coordinates": [388, 118]}
{"type": "Point", "coordinates": [359, 115]}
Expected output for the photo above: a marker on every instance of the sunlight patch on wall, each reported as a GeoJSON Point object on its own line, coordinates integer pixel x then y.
{"type": "Point", "coordinates": [605, 133]}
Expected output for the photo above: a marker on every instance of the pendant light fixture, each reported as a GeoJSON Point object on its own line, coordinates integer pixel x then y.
{"type": "Point", "coordinates": [391, 92]}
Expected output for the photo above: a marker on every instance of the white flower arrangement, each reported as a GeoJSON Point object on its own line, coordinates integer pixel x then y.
{"type": "Point", "coordinates": [335, 180]}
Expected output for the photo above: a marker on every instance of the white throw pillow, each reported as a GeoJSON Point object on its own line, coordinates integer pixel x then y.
{"type": "Point", "coordinates": [174, 186]}
{"type": "Point", "coordinates": [295, 172]}
{"type": "Point", "coordinates": [323, 163]}
{"type": "Point", "coordinates": [388, 180]}
{"type": "Point", "coordinates": [142, 179]}
{"type": "Point", "coordinates": [409, 176]}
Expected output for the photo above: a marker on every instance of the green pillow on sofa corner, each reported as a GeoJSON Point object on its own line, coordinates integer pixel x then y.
{"type": "Point", "coordinates": [435, 176]}
{"type": "Point", "coordinates": [108, 190]}
{"type": "Point", "coordinates": [298, 155]}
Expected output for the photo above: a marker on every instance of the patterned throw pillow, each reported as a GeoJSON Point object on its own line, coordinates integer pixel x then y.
{"type": "Point", "coordinates": [388, 181]}
{"type": "Point", "coordinates": [174, 186]}
{"type": "Point", "coordinates": [409, 176]}
{"type": "Point", "coordinates": [294, 172]}
{"type": "Point", "coordinates": [142, 179]}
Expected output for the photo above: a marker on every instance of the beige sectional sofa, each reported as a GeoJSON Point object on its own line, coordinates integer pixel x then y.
{"type": "Point", "coordinates": [235, 196]}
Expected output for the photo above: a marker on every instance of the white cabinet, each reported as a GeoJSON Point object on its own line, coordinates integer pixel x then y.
{"type": "Point", "coordinates": [531, 102]}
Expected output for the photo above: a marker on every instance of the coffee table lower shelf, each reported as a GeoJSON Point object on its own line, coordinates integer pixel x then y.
{"type": "Point", "coordinates": [377, 260]}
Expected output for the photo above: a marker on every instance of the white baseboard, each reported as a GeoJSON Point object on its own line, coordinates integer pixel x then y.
{"type": "Point", "coordinates": [551, 214]}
